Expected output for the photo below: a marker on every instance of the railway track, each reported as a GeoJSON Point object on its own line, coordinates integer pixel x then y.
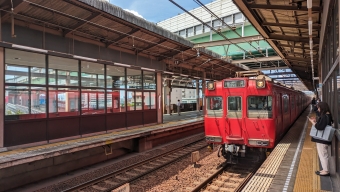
{"type": "Point", "coordinates": [136, 171]}
{"type": "Point", "coordinates": [230, 177]}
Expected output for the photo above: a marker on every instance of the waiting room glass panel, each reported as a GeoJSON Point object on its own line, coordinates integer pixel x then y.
{"type": "Point", "coordinates": [130, 101]}
{"type": "Point", "coordinates": [134, 79]}
{"type": "Point", "coordinates": [115, 77]}
{"type": "Point", "coordinates": [23, 102]}
{"type": "Point", "coordinates": [63, 71]}
{"type": "Point", "coordinates": [146, 100]}
{"type": "Point", "coordinates": [149, 80]}
{"type": "Point", "coordinates": [91, 73]}
{"type": "Point", "coordinates": [18, 64]}
{"type": "Point", "coordinates": [138, 100]}
{"type": "Point", "coordinates": [92, 101]}
{"type": "Point", "coordinates": [115, 101]}
{"type": "Point", "coordinates": [63, 102]}
{"type": "Point", "coordinates": [153, 100]}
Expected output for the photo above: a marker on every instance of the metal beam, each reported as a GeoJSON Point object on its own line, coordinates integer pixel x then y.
{"type": "Point", "coordinates": [283, 78]}
{"type": "Point", "coordinates": [230, 41]}
{"type": "Point", "coordinates": [258, 59]}
{"type": "Point", "coordinates": [297, 47]}
{"type": "Point", "coordinates": [135, 30]}
{"type": "Point", "coordinates": [282, 73]}
{"type": "Point", "coordinates": [82, 23]}
{"type": "Point", "coordinates": [315, 26]}
{"type": "Point", "coordinates": [270, 68]}
{"type": "Point", "coordinates": [154, 45]}
{"type": "Point", "coordinates": [298, 59]}
{"type": "Point", "coordinates": [18, 5]}
{"type": "Point", "coordinates": [292, 38]}
{"type": "Point", "coordinates": [281, 7]}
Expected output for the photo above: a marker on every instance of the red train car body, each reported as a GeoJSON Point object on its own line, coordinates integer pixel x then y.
{"type": "Point", "coordinates": [243, 113]}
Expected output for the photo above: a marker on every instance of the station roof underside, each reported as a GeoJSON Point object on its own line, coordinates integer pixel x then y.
{"type": "Point", "coordinates": [284, 24]}
{"type": "Point", "coordinates": [104, 24]}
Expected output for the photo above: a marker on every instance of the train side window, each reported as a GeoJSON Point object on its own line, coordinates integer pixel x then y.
{"type": "Point", "coordinates": [285, 104]}
{"type": "Point", "coordinates": [214, 107]}
{"type": "Point", "coordinates": [260, 107]}
{"type": "Point", "coordinates": [234, 107]}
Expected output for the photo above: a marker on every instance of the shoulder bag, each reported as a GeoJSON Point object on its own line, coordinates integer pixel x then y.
{"type": "Point", "coordinates": [325, 135]}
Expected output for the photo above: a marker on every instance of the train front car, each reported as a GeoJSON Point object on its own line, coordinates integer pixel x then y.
{"type": "Point", "coordinates": [239, 116]}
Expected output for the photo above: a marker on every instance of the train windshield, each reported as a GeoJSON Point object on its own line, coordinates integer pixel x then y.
{"type": "Point", "coordinates": [214, 106]}
{"type": "Point", "coordinates": [260, 107]}
{"type": "Point", "coordinates": [234, 107]}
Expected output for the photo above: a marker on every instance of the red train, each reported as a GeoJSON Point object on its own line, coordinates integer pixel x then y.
{"type": "Point", "coordinates": [249, 113]}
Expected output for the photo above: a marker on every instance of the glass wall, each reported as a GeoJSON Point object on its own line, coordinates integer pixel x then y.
{"type": "Point", "coordinates": [41, 86]}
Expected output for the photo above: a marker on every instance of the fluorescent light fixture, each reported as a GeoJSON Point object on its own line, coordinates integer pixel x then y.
{"type": "Point", "coordinates": [84, 58]}
{"type": "Point", "coordinates": [309, 4]}
{"type": "Point", "coordinates": [184, 75]}
{"type": "Point", "coordinates": [29, 48]}
{"type": "Point", "coordinates": [310, 44]}
{"type": "Point", "coordinates": [167, 72]}
{"type": "Point", "coordinates": [196, 77]}
{"type": "Point", "coordinates": [148, 69]}
{"type": "Point", "coordinates": [310, 27]}
{"type": "Point", "coordinates": [123, 65]}
{"type": "Point", "coordinates": [311, 52]}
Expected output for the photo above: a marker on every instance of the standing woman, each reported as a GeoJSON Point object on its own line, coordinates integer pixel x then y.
{"type": "Point", "coordinates": [322, 146]}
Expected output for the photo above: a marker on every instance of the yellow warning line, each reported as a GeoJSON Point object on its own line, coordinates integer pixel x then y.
{"type": "Point", "coordinates": [306, 179]}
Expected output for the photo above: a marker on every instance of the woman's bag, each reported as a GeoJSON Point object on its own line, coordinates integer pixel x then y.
{"type": "Point", "coordinates": [325, 135]}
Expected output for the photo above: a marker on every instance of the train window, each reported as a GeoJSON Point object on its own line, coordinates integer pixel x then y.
{"type": "Point", "coordinates": [214, 106]}
{"type": "Point", "coordinates": [260, 107]}
{"type": "Point", "coordinates": [285, 104]}
{"type": "Point", "coordinates": [234, 84]}
{"type": "Point", "coordinates": [234, 107]}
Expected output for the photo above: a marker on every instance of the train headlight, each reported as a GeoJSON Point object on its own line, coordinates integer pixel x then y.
{"type": "Point", "coordinates": [260, 83]}
{"type": "Point", "coordinates": [211, 86]}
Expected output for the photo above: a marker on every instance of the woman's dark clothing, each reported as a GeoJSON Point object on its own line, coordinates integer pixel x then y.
{"type": "Point", "coordinates": [321, 124]}
{"type": "Point", "coordinates": [313, 101]}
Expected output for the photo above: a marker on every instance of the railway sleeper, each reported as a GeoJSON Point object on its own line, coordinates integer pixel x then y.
{"type": "Point", "coordinates": [111, 182]}
{"type": "Point", "coordinates": [216, 188]}
{"type": "Point", "coordinates": [99, 188]}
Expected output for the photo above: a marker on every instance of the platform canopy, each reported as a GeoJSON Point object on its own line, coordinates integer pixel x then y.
{"type": "Point", "coordinates": [104, 24]}
{"type": "Point", "coordinates": [285, 26]}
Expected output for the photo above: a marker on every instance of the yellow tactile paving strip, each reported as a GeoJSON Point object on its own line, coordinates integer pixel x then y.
{"type": "Point", "coordinates": [306, 179]}
{"type": "Point", "coordinates": [49, 150]}
{"type": "Point", "coordinates": [266, 173]}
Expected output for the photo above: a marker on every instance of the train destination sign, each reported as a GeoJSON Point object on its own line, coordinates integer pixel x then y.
{"type": "Point", "coordinates": [234, 84]}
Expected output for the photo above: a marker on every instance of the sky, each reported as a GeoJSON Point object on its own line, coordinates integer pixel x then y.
{"type": "Point", "coordinates": [156, 10]}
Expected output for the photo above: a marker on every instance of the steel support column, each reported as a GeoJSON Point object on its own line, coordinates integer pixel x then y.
{"type": "Point", "coordinates": [2, 99]}
{"type": "Point", "coordinates": [159, 102]}
{"type": "Point", "coordinates": [203, 92]}
{"type": "Point", "coordinates": [197, 95]}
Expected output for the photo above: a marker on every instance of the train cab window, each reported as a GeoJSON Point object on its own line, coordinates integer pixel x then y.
{"type": "Point", "coordinates": [214, 107]}
{"type": "Point", "coordinates": [234, 107]}
{"type": "Point", "coordinates": [260, 107]}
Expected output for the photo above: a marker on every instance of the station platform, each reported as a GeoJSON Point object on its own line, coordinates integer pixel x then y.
{"type": "Point", "coordinates": [35, 163]}
{"type": "Point", "coordinates": [292, 164]}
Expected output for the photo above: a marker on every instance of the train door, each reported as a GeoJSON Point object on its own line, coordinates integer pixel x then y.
{"type": "Point", "coordinates": [234, 116]}
{"type": "Point", "coordinates": [279, 119]}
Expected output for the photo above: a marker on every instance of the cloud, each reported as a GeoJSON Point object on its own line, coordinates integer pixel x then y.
{"type": "Point", "coordinates": [135, 13]}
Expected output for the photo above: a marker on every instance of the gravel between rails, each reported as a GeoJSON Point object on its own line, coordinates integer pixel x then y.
{"type": "Point", "coordinates": [179, 176]}
{"type": "Point", "coordinates": [65, 185]}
